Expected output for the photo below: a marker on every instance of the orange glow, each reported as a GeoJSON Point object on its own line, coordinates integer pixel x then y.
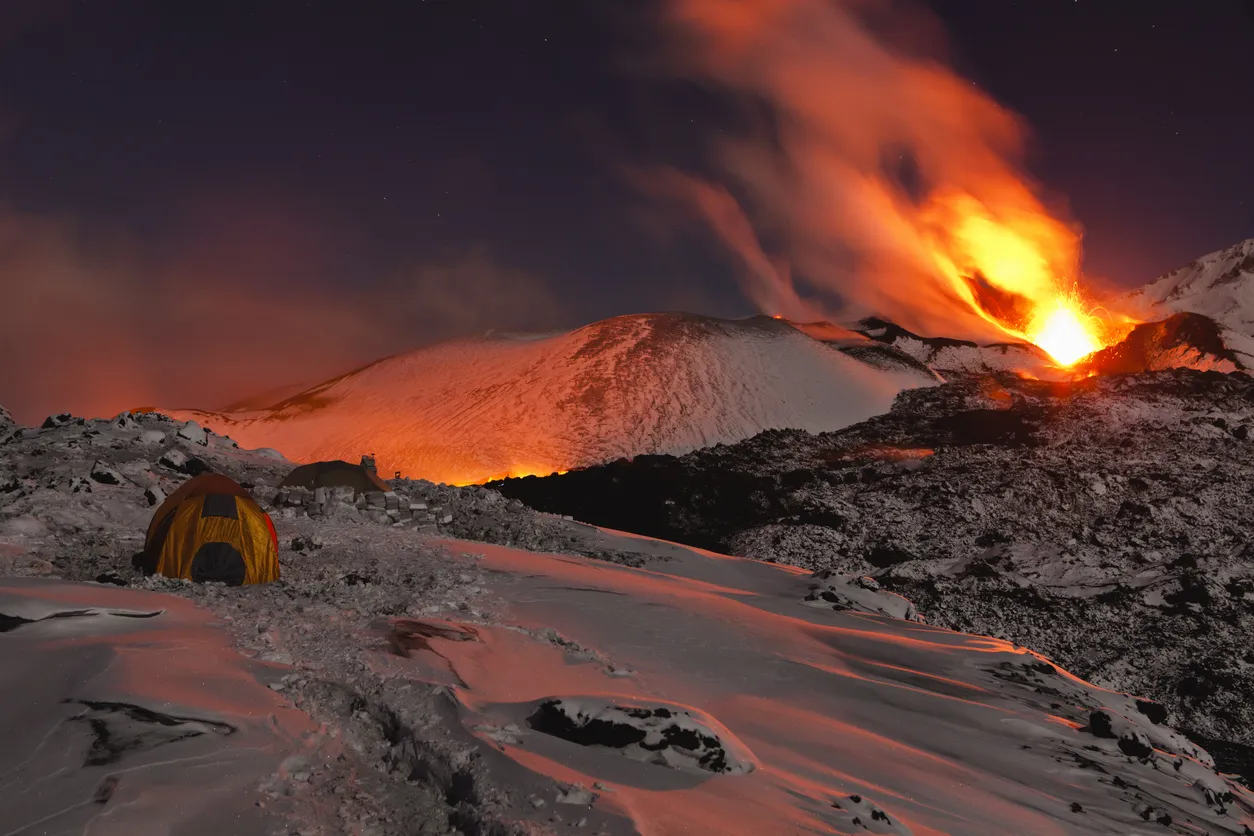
{"type": "Point", "coordinates": [514, 473]}
{"type": "Point", "coordinates": [1017, 272]}
{"type": "Point", "coordinates": [896, 181]}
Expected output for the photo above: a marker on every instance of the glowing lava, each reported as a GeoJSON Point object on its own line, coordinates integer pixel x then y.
{"type": "Point", "coordinates": [1016, 269]}
{"type": "Point", "coordinates": [1065, 332]}
{"type": "Point", "coordinates": [518, 472]}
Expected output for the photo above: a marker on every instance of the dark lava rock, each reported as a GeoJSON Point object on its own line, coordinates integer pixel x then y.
{"type": "Point", "coordinates": [1056, 515]}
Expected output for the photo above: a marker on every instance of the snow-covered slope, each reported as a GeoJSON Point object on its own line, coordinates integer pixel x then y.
{"type": "Point", "coordinates": [1102, 521]}
{"type": "Point", "coordinates": [949, 357]}
{"type": "Point", "coordinates": [399, 684]}
{"type": "Point", "coordinates": [1219, 285]}
{"type": "Point", "coordinates": [469, 410]}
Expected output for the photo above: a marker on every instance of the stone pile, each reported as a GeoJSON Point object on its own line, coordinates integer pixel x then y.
{"type": "Point", "coordinates": [343, 503]}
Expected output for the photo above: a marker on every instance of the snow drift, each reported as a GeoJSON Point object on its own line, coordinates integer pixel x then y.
{"type": "Point", "coordinates": [470, 410]}
{"type": "Point", "coordinates": [127, 712]}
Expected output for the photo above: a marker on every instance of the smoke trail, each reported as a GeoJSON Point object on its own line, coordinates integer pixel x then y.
{"type": "Point", "coordinates": [895, 181]}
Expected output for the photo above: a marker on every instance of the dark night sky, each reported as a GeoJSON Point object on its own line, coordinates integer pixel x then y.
{"type": "Point", "coordinates": [331, 181]}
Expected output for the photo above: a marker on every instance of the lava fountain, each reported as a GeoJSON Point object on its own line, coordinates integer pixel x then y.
{"type": "Point", "coordinates": [892, 186]}
{"type": "Point", "coordinates": [1017, 272]}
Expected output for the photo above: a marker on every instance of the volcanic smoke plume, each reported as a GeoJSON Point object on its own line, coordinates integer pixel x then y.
{"type": "Point", "coordinates": [892, 182]}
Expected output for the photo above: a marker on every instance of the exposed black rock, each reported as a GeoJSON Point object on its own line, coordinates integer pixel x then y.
{"type": "Point", "coordinates": [120, 728]}
{"type": "Point", "coordinates": [1151, 345]}
{"type": "Point", "coordinates": [1103, 521]}
{"type": "Point", "coordinates": [660, 735]}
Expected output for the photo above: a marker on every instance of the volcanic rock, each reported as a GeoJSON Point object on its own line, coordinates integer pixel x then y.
{"type": "Point", "coordinates": [386, 744]}
{"type": "Point", "coordinates": [153, 437]}
{"type": "Point", "coordinates": [192, 433]}
{"type": "Point", "coordinates": [174, 459]}
{"type": "Point", "coordinates": [666, 736]}
{"type": "Point", "coordinates": [59, 420]}
{"type": "Point", "coordinates": [106, 475]}
{"type": "Point", "coordinates": [1182, 340]}
{"type": "Point", "coordinates": [978, 502]}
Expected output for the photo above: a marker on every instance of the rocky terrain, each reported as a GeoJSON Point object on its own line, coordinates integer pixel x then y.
{"type": "Point", "coordinates": [75, 499]}
{"type": "Point", "coordinates": [1104, 522]}
{"type": "Point", "coordinates": [395, 681]}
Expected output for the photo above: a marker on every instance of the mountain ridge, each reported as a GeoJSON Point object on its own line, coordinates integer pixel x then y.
{"type": "Point", "coordinates": [472, 409]}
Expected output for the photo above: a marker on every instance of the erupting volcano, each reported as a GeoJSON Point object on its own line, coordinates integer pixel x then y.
{"type": "Point", "coordinates": [1014, 272]}
{"type": "Point", "coordinates": [470, 410]}
{"type": "Point", "coordinates": [898, 185]}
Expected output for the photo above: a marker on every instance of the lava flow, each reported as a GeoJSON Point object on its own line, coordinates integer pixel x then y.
{"type": "Point", "coordinates": [1012, 270]}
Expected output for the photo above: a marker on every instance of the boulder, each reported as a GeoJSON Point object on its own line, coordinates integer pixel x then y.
{"type": "Point", "coordinates": [173, 459]}
{"type": "Point", "coordinates": [59, 420]}
{"type": "Point", "coordinates": [154, 495]}
{"type": "Point", "coordinates": [179, 461]}
{"type": "Point", "coordinates": [152, 437]}
{"type": "Point", "coordinates": [192, 433]}
{"type": "Point", "coordinates": [106, 475]}
{"type": "Point", "coordinates": [1131, 740]}
{"type": "Point", "coordinates": [125, 421]}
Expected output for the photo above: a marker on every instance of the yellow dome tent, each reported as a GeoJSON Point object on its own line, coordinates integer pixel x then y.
{"type": "Point", "coordinates": [211, 529]}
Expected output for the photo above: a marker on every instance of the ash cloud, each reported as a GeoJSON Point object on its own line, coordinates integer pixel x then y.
{"type": "Point", "coordinates": [869, 133]}
{"type": "Point", "coordinates": [766, 281]}
{"type": "Point", "coordinates": [94, 323]}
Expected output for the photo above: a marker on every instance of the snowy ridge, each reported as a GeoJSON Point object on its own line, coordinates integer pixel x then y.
{"type": "Point", "coordinates": [949, 357]}
{"type": "Point", "coordinates": [1219, 285]}
{"type": "Point", "coordinates": [469, 410]}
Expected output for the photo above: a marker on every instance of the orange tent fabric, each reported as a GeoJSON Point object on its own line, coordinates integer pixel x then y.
{"type": "Point", "coordinates": [211, 529]}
